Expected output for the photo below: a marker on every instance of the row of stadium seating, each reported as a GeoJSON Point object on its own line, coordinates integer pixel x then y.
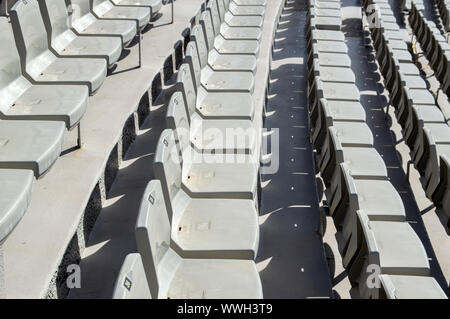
{"type": "Point", "coordinates": [197, 231]}
{"type": "Point", "coordinates": [378, 244]}
{"type": "Point", "coordinates": [435, 163]}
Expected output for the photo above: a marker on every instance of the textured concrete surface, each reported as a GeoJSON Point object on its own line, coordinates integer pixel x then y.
{"type": "Point", "coordinates": [291, 259]}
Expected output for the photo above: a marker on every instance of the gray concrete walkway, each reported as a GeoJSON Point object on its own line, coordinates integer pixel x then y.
{"type": "Point", "coordinates": [291, 258]}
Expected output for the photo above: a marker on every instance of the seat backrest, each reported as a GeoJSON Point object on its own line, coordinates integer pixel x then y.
{"type": "Point", "coordinates": [208, 28]}
{"type": "Point", "coordinates": [29, 30]}
{"type": "Point", "coordinates": [347, 191]}
{"type": "Point", "coordinates": [198, 36]}
{"type": "Point", "coordinates": [167, 167]}
{"type": "Point", "coordinates": [9, 58]}
{"type": "Point", "coordinates": [56, 19]}
{"type": "Point", "coordinates": [215, 18]}
{"type": "Point", "coordinates": [367, 239]}
{"type": "Point", "coordinates": [188, 89]}
{"type": "Point", "coordinates": [153, 233]}
{"type": "Point", "coordinates": [132, 282]}
{"type": "Point", "coordinates": [177, 120]}
{"type": "Point", "coordinates": [194, 62]}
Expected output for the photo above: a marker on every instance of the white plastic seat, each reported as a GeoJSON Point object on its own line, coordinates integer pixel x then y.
{"type": "Point", "coordinates": [20, 100]}
{"type": "Point", "coordinates": [215, 81]}
{"type": "Point", "coordinates": [107, 10]}
{"type": "Point", "coordinates": [66, 43]}
{"type": "Point", "coordinates": [131, 282]}
{"type": "Point", "coordinates": [16, 186]}
{"type": "Point", "coordinates": [154, 5]}
{"type": "Point", "coordinates": [84, 22]}
{"type": "Point", "coordinates": [39, 63]}
{"type": "Point", "coordinates": [171, 276]}
{"type": "Point", "coordinates": [197, 230]}
{"type": "Point", "coordinates": [234, 27]}
{"type": "Point", "coordinates": [210, 175]}
{"type": "Point", "coordinates": [245, 10]}
{"type": "Point", "coordinates": [408, 287]}
{"type": "Point", "coordinates": [33, 145]}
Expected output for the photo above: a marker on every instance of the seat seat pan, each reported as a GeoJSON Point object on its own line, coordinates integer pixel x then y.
{"type": "Point", "coordinates": [94, 46]}
{"type": "Point", "coordinates": [16, 186]}
{"type": "Point", "coordinates": [439, 131]}
{"type": "Point", "coordinates": [336, 74]}
{"type": "Point", "coordinates": [405, 287]}
{"type": "Point", "coordinates": [414, 82]}
{"type": "Point", "coordinates": [66, 103]}
{"type": "Point", "coordinates": [215, 279]}
{"type": "Point", "coordinates": [219, 62]}
{"type": "Point", "coordinates": [346, 111]}
{"type": "Point", "coordinates": [223, 46]}
{"type": "Point", "coordinates": [243, 21]}
{"type": "Point", "coordinates": [352, 134]}
{"type": "Point", "coordinates": [227, 81]}
{"type": "Point", "coordinates": [250, 2]}
{"type": "Point", "coordinates": [332, 46]}
{"type": "Point", "coordinates": [221, 179]}
{"type": "Point", "coordinates": [340, 91]}
{"type": "Point", "coordinates": [240, 33]}
{"type": "Point", "coordinates": [430, 113]}
{"type": "Point", "coordinates": [141, 14]}
{"type": "Point", "coordinates": [31, 145]}
{"type": "Point", "coordinates": [246, 10]}
{"type": "Point", "coordinates": [401, 251]}
{"type": "Point", "coordinates": [329, 35]}
{"type": "Point", "coordinates": [225, 105]}
{"type": "Point", "coordinates": [212, 135]}
{"type": "Point", "coordinates": [408, 69]}
{"type": "Point", "coordinates": [91, 72]}
{"type": "Point", "coordinates": [365, 162]}
{"type": "Point", "coordinates": [224, 228]}
{"type": "Point", "coordinates": [123, 28]}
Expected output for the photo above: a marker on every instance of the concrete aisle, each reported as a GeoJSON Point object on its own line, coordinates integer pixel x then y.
{"type": "Point", "coordinates": [291, 257]}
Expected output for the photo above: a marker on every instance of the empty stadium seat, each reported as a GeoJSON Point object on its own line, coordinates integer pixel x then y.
{"type": "Point", "coordinates": [171, 276]}
{"type": "Point", "coordinates": [131, 282]}
{"type": "Point", "coordinates": [211, 80]}
{"type": "Point", "coordinates": [214, 105]}
{"type": "Point", "coordinates": [408, 287]}
{"type": "Point", "coordinates": [217, 61]}
{"type": "Point", "coordinates": [230, 43]}
{"type": "Point", "coordinates": [216, 134]}
{"type": "Point", "coordinates": [238, 21]}
{"type": "Point", "coordinates": [210, 175]}
{"type": "Point", "coordinates": [105, 9]}
{"type": "Point", "coordinates": [154, 5]}
{"type": "Point", "coordinates": [86, 23]}
{"type": "Point", "coordinates": [16, 186]}
{"type": "Point", "coordinates": [39, 63]}
{"type": "Point", "coordinates": [20, 100]}
{"type": "Point", "coordinates": [64, 41]}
